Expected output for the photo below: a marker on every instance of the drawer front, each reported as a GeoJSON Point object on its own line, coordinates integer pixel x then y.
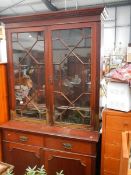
{"type": "Point", "coordinates": [113, 137]}
{"type": "Point", "coordinates": [69, 145]}
{"type": "Point", "coordinates": [111, 165]}
{"type": "Point", "coordinates": [118, 123]}
{"type": "Point", "coordinates": [24, 138]}
{"type": "Point", "coordinates": [113, 151]}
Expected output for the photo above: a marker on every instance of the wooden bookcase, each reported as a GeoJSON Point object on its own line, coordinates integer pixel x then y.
{"type": "Point", "coordinates": [53, 80]}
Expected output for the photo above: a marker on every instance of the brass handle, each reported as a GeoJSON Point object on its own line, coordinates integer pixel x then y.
{"type": "Point", "coordinates": [23, 138]}
{"type": "Point", "coordinates": [67, 146]}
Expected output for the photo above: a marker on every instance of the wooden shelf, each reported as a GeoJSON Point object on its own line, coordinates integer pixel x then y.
{"type": "Point", "coordinates": [74, 108]}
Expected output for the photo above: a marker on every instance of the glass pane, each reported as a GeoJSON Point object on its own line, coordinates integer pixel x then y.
{"type": "Point", "coordinates": [72, 75]}
{"type": "Point", "coordinates": [29, 71]}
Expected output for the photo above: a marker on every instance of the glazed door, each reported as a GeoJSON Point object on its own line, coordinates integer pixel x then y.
{"type": "Point", "coordinates": [54, 74]}
{"type": "Point", "coordinates": [27, 67]}
{"type": "Point", "coordinates": [74, 70]}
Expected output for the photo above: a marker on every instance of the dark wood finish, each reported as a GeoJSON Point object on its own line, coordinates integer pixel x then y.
{"type": "Point", "coordinates": [54, 15]}
{"type": "Point", "coordinates": [49, 73]}
{"type": "Point", "coordinates": [58, 163]}
{"type": "Point", "coordinates": [37, 142]}
{"type": "Point", "coordinates": [22, 139]}
{"type": "Point", "coordinates": [21, 156]}
{"type": "Point", "coordinates": [75, 146]}
{"type": "Point", "coordinates": [25, 138]}
{"type": "Point", "coordinates": [95, 69]}
{"type": "Point", "coordinates": [40, 128]}
{"type": "Point", "coordinates": [49, 22]}
{"type": "Point", "coordinates": [76, 163]}
{"type": "Point", "coordinates": [114, 123]}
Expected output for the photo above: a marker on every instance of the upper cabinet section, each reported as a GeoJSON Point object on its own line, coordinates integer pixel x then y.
{"type": "Point", "coordinates": [54, 66]}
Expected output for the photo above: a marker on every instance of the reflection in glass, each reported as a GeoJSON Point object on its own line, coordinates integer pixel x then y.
{"type": "Point", "coordinates": [72, 75]}
{"type": "Point", "coordinates": [29, 70]}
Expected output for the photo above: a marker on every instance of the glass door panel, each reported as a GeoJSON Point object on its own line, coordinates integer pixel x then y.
{"type": "Point", "coordinates": [72, 75]}
{"type": "Point", "coordinates": [29, 74]}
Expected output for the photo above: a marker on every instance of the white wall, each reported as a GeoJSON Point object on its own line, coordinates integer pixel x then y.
{"type": "Point", "coordinates": [117, 29]}
{"type": "Point", "coordinates": [3, 52]}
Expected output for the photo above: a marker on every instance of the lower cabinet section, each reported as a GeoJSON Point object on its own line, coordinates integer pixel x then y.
{"type": "Point", "coordinates": [21, 156]}
{"type": "Point", "coordinates": [24, 146]}
{"type": "Point", "coordinates": [71, 164]}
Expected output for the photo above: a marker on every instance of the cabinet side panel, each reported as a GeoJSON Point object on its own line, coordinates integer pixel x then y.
{"type": "Point", "coordinates": [3, 94]}
{"type": "Point", "coordinates": [3, 99]}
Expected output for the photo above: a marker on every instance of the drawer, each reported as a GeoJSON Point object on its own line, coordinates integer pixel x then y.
{"type": "Point", "coordinates": [21, 137]}
{"type": "Point", "coordinates": [118, 123]}
{"type": "Point", "coordinates": [113, 137]}
{"type": "Point", "coordinates": [111, 165]}
{"type": "Point", "coordinates": [69, 145]}
{"type": "Point", "coordinates": [113, 151]}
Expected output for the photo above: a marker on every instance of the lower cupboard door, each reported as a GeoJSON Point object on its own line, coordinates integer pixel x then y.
{"type": "Point", "coordinates": [71, 164]}
{"type": "Point", "coordinates": [21, 156]}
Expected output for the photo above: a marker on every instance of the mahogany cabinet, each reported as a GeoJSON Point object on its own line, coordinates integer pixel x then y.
{"type": "Point", "coordinates": [29, 144]}
{"type": "Point", "coordinates": [53, 85]}
{"type": "Point", "coordinates": [114, 123]}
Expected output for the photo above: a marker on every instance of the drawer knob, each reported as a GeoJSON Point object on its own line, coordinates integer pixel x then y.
{"type": "Point", "coordinates": [23, 138]}
{"type": "Point", "coordinates": [67, 146]}
{"type": "Point", "coordinates": [125, 123]}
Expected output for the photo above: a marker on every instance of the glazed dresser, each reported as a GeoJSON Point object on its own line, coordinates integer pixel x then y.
{"type": "Point", "coordinates": [53, 73]}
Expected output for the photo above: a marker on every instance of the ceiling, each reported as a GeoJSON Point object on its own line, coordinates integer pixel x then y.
{"type": "Point", "coordinates": [20, 7]}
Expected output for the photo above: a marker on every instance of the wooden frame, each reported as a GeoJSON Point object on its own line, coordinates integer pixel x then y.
{"type": "Point", "coordinates": [48, 23]}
